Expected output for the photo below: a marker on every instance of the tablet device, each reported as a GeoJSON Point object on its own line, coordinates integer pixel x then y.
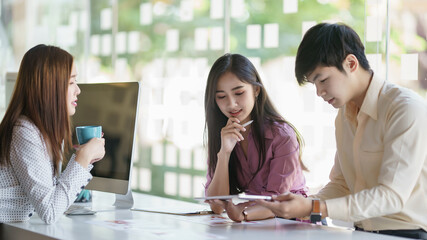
{"type": "Point", "coordinates": [241, 196]}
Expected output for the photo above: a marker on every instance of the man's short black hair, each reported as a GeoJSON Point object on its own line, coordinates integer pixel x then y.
{"type": "Point", "coordinates": [328, 45]}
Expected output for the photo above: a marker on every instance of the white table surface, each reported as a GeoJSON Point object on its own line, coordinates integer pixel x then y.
{"type": "Point", "coordinates": [144, 225]}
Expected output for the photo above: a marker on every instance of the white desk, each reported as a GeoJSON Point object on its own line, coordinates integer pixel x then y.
{"type": "Point", "coordinates": [143, 225]}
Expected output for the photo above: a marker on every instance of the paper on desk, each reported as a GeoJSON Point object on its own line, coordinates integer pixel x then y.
{"type": "Point", "coordinates": [152, 229]}
{"type": "Point", "coordinates": [214, 220]}
{"type": "Point", "coordinates": [195, 213]}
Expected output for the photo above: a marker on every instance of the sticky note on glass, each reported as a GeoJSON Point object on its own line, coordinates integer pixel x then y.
{"type": "Point", "coordinates": [121, 42]}
{"type": "Point", "coordinates": [145, 14]}
{"type": "Point", "coordinates": [307, 25]}
{"type": "Point", "coordinates": [216, 38]}
{"type": "Point", "coordinates": [253, 36]}
{"type": "Point", "coordinates": [172, 40]}
{"type": "Point", "coordinates": [271, 35]}
{"type": "Point", "coordinates": [133, 41]}
{"type": "Point", "coordinates": [373, 29]}
{"type": "Point", "coordinates": [290, 6]}
{"type": "Point", "coordinates": [217, 9]}
{"type": "Point", "coordinates": [186, 10]}
{"type": "Point", "coordinates": [106, 45]}
{"type": "Point", "coordinates": [94, 44]}
{"type": "Point", "coordinates": [409, 66]}
{"type": "Point", "coordinates": [201, 37]}
{"type": "Point", "coordinates": [74, 20]}
{"type": "Point", "coordinates": [84, 20]}
{"type": "Point", "coordinates": [67, 35]}
{"type": "Point", "coordinates": [106, 18]}
{"type": "Point", "coordinates": [237, 8]}
{"type": "Point", "coordinates": [375, 62]}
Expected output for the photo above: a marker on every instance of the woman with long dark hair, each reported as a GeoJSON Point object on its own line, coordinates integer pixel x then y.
{"type": "Point", "coordinates": [33, 133]}
{"type": "Point", "coordinates": [263, 158]}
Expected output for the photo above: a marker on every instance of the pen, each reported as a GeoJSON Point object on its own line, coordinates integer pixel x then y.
{"type": "Point", "coordinates": [247, 123]}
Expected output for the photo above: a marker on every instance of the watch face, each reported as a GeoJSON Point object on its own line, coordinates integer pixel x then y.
{"type": "Point", "coordinates": [314, 218]}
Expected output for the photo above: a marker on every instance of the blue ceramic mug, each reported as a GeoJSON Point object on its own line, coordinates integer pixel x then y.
{"type": "Point", "coordinates": [86, 133]}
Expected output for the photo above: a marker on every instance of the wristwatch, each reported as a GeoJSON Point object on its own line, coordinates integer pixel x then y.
{"type": "Point", "coordinates": [316, 215]}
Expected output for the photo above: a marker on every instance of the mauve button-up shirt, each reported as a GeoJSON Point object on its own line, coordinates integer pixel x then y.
{"type": "Point", "coordinates": [282, 170]}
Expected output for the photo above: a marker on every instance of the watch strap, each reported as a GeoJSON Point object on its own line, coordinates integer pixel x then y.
{"type": "Point", "coordinates": [316, 215]}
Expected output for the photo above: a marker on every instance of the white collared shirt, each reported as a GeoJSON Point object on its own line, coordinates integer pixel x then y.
{"type": "Point", "coordinates": [379, 178]}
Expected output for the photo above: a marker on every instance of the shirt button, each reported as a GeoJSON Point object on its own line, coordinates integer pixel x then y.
{"type": "Point", "coordinates": [77, 195]}
{"type": "Point", "coordinates": [29, 215]}
{"type": "Point", "coordinates": [88, 179]}
{"type": "Point", "coordinates": [82, 187]}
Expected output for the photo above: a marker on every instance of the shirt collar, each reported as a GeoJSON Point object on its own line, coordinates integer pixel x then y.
{"type": "Point", "coordinates": [370, 103]}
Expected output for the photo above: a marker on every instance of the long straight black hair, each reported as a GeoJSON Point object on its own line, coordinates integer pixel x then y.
{"type": "Point", "coordinates": [263, 111]}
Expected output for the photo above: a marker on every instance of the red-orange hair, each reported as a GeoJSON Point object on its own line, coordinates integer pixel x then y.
{"type": "Point", "coordinates": [41, 94]}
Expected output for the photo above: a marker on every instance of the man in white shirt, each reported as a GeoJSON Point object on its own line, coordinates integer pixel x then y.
{"type": "Point", "coordinates": [379, 178]}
